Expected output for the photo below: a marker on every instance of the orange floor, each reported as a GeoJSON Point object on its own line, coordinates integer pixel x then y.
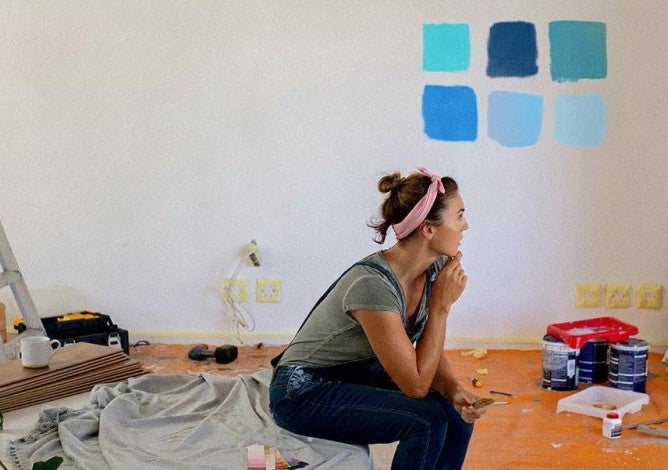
{"type": "Point", "coordinates": [525, 434]}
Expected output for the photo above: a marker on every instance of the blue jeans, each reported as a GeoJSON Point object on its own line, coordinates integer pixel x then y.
{"type": "Point", "coordinates": [361, 405]}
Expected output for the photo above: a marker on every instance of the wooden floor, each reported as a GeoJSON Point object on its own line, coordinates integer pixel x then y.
{"type": "Point", "coordinates": [527, 433]}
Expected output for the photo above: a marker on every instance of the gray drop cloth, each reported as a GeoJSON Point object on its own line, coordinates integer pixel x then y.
{"type": "Point", "coordinates": [174, 422]}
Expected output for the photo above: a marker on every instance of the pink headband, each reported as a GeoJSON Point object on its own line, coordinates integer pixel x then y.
{"type": "Point", "coordinates": [418, 213]}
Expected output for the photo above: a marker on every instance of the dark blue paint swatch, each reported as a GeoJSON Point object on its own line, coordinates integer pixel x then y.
{"type": "Point", "coordinates": [512, 50]}
{"type": "Point", "coordinates": [450, 113]}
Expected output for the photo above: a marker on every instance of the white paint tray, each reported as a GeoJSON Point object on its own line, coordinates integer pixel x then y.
{"type": "Point", "coordinates": [596, 401]}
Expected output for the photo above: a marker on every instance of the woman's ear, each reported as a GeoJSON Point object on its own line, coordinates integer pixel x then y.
{"type": "Point", "coordinates": [427, 230]}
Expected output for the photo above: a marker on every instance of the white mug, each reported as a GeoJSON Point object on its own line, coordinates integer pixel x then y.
{"type": "Point", "coordinates": [36, 351]}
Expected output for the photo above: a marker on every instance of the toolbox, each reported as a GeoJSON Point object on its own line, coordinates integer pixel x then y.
{"type": "Point", "coordinates": [86, 327]}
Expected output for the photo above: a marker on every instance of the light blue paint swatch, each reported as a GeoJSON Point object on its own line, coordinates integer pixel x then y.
{"type": "Point", "coordinates": [580, 120]}
{"type": "Point", "coordinates": [446, 47]}
{"type": "Point", "coordinates": [450, 113]}
{"type": "Point", "coordinates": [578, 50]}
{"type": "Point", "coordinates": [514, 119]}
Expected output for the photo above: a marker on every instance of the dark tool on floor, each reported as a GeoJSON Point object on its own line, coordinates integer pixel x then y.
{"type": "Point", "coordinates": [222, 354]}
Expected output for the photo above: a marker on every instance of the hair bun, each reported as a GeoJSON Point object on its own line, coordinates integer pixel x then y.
{"type": "Point", "coordinates": [390, 182]}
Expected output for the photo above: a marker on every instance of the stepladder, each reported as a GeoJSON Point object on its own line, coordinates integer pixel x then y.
{"type": "Point", "coordinates": [12, 277]}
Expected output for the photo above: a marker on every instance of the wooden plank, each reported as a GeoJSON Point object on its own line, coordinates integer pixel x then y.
{"type": "Point", "coordinates": [56, 394]}
{"type": "Point", "coordinates": [31, 396]}
{"type": "Point", "coordinates": [60, 375]}
{"type": "Point", "coordinates": [96, 376]}
{"type": "Point", "coordinates": [73, 369]}
{"type": "Point", "coordinates": [68, 358]}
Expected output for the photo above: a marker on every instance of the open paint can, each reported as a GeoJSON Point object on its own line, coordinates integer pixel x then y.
{"type": "Point", "coordinates": [593, 361]}
{"type": "Point", "coordinates": [560, 370]}
{"type": "Point", "coordinates": [628, 365]}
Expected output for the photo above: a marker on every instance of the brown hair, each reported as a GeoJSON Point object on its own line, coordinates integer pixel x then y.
{"type": "Point", "coordinates": [404, 194]}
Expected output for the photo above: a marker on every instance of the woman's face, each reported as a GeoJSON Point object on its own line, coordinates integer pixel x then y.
{"type": "Point", "coordinates": [448, 235]}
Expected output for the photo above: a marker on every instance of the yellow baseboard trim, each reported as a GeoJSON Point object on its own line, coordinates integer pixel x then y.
{"type": "Point", "coordinates": [193, 336]}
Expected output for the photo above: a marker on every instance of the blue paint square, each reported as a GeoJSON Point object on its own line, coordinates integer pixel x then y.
{"type": "Point", "coordinates": [512, 50]}
{"type": "Point", "coordinates": [514, 119]}
{"type": "Point", "coordinates": [578, 50]}
{"type": "Point", "coordinates": [446, 47]}
{"type": "Point", "coordinates": [580, 120]}
{"type": "Point", "coordinates": [450, 113]}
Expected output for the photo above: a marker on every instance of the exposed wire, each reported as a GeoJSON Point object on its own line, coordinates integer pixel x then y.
{"type": "Point", "coordinates": [241, 317]}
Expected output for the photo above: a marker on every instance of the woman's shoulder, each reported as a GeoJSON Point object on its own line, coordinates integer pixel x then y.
{"type": "Point", "coordinates": [375, 262]}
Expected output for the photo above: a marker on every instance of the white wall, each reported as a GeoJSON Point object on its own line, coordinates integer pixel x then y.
{"type": "Point", "coordinates": [145, 143]}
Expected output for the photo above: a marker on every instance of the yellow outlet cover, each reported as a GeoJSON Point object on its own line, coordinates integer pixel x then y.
{"type": "Point", "coordinates": [236, 290]}
{"type": "Point", "coordinates": [588, 295]}
{"type": "Point", "coordinates": [618, 296]}
{"type": "Point", "coordinates": [650, 296]}
{"type": "Point", "coordinates": [268, 290]}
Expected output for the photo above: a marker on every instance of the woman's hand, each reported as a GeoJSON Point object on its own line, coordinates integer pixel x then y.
{"type": "Point", "coordinates": [449, 285]}
{"type": "Point", "coordinates": [463, 401]}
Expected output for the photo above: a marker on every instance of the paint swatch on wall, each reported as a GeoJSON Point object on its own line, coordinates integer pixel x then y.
{"type": "Point", "coordinates": [446, 47]}
{"type": "Point", "coordinates": [578, 50]}
{"type": "Point", "coordinates": [512, 50]}
{"type": "Point", "coordinates": [580, 120]}
{"type": "Point", "coordinates": [450, 113]}
{"type": "Point", "coordinates": [514, 119]}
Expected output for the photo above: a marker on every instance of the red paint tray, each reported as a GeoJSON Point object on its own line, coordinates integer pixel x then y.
{"type": "Point", "coordinates": [577, 333]}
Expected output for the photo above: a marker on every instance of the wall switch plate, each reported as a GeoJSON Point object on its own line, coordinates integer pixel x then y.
{"type": "Point", "coordinates": [236, 290]}
{"type": "Point", "coordinates": [587, 295]}
{"type": "Point", "coordinates": [618, 296]}
{"type": "Point", "coordinates": [268, 290]}
{"type": "Point", "coordinates": [650, 296]}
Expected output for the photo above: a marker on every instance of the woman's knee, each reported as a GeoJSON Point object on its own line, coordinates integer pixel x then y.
{"type": "Point", "coordinates": [429, 418]}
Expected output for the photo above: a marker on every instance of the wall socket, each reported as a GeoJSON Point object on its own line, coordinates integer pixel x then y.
{"type": "Point", "coordinates": [268, 290]}
{"type": "Point", "coordinates": [587, 295]}
{"type": "Point", "coordinates": [618, 295]}
{"type": "Point", "coordinates": [236, 290]}
{"type": "Point", "coordinates": [650, 296]}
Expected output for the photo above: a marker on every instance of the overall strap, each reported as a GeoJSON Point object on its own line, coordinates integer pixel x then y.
{"type": "Point", "coordinates": [367, 263]}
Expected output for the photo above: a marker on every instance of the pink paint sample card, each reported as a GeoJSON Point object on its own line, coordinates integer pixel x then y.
{"type": "Point", "coordinates": [263, 457]}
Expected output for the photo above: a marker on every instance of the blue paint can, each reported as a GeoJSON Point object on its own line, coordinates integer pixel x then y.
{"type": "Point", "coordinates": [628, 365]}
{"type": "Point", "coordinates": [593, 361]}
{"type": "Point", "coordinates": [560, 370]}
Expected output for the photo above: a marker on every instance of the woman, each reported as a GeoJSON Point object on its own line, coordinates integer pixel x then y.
{"type": "Point", "coordinates": [367, 366]}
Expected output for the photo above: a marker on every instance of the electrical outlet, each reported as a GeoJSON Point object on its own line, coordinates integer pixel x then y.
{"type": "Point", "coordinates": [236, 290]}
{"type": "Point", "coordinates": [268, 290]}
{"type": "Point", "coordinates": [587, 295]}
{"type": "Point", "coordinates": [618, 296]}
{"type": "Point", "coordinates": [650, 296]}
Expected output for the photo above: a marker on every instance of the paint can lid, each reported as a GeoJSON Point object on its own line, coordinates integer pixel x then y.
{"type": "Point", "coordinates": [632, 344]}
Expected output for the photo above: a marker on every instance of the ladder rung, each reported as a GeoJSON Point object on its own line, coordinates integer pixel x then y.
{"type": "Point", "coordinates": [7, 278]}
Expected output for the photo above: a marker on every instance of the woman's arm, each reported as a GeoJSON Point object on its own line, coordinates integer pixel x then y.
{"type": "Point", "coordinates": [413, 368]}
{"type": "Point", "coordinates": [446, 383]}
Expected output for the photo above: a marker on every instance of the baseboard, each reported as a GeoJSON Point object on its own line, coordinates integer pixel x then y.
{"type": "Point", "coordinates": [277, 339]}
{"type": "Point", "coordinates": [216, 337]}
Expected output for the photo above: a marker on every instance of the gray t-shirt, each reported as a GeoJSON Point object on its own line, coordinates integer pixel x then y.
{"type": "Point", "coordinates": [332, 336]}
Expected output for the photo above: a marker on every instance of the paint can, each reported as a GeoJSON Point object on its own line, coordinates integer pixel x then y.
{"type": "Point", "coordinates": [593, 361]}
{"type": "Point", "coordinates": [560, 370]}
{"type": "Point", "coordinates": [628, 364]}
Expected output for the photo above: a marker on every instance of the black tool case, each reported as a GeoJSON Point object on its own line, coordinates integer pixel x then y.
{"type": "Point", "coordinates": [86, 327]}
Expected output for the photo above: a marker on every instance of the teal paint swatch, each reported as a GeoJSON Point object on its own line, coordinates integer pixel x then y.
{"type": "Point", "coordinates": [450, 113]}
{"type": "Point", "coordinates": [446, 47]}
{"type": "Point", "coordinates": [580, 120]}
{"type": "Point", "coordinates": [512, 50]}
{"type": "Point", "coordinates": [514, 119]}
{"type": "Point", "coordinates": [578, 50]}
